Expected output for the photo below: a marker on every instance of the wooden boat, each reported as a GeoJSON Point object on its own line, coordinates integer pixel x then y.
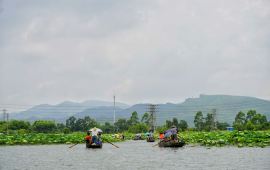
{"type": "Point", "coordinates": [93, 145]}
{"type": "Point", "coordinates": [150, 139]}
{"type": "Point", "coordinates": [138, 137]}
{"type": "Point", "coordinates": [171, 143]}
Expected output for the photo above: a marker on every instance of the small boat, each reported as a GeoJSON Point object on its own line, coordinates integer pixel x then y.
{"type": "Point", "coordinates": [138, 137]}
{"type": "Point", "coordinates": [93, 145]}
{"type": "Point", "coordinates": [171, 143]}
{"type": "Point", "coordinates": [150, 139]}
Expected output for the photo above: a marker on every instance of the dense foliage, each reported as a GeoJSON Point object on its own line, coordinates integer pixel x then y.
{"type": "Point", "coordinates": [44, 126]}
{"type": "Point", "coordinates": [208, 123]}
{"type": "Point", "coordinates": [48, 138]}
{"type": "Point", "coordinates": [222, 138]}
{"type": "Point", "coordinates": [251, 121]}
{"type": "Point", "coordinates": [214, 138]}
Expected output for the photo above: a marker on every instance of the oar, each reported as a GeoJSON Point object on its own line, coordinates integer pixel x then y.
{"type": "Point", "coordinates": [155, 144]}
{"type": "Point", "coordinates": [73, 145]}
{"type": "Point", "coordinates": [111, 143]}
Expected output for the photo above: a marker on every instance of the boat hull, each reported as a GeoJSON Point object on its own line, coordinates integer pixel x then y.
{"type": "Point", "coordinates": [93, 146]}
{"type": "Point", "coordinates": [174, 144]}
{"type": "Point", "coordinates": [150, 139]}
{"type": "Point", "coordinates": [138, 138]}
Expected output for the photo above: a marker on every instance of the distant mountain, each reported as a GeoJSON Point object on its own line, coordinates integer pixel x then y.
{"type": "Point", "coordinates": [103, 114]}
{"type": "Point", "coordinates": [62, 111]}
{"type": "Point", "coordinates": [226, 108]}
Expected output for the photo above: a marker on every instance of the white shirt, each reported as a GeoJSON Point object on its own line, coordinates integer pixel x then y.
{"type": "Point", "coordinates": [95, 131]}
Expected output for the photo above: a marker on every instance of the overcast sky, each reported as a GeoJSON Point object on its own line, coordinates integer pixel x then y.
{"type": "Point", "coordinates": [143, 51]}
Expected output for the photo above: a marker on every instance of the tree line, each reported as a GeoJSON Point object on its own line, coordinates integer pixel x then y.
{"type": "Point", "coordinates": [249, 121]}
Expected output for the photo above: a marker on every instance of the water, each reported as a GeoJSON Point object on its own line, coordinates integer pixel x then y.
{"type": "Point", "coordinates": [131, 155]}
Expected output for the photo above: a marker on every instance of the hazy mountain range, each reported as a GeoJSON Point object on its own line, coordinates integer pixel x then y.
{"type": "Point", "coordinates": [226, 108]}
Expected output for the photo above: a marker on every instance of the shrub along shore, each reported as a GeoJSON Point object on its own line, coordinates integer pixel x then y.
{"type": "Point", "coordinates": [213, 138]}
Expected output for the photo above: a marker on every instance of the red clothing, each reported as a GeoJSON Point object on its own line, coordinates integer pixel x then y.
{"type": "Point", "coordinates": [88, 138]}
{"type": "Point", "coordinates": [161, 136]}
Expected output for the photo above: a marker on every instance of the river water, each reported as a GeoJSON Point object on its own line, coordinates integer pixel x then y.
{"type": "Point", "coordinates": [132, 155]}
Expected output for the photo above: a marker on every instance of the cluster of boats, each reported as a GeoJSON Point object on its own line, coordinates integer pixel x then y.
{"type": "Point", "coordinates": [95, 141]}
{"type": "Point", "coordinates": [161, 143]}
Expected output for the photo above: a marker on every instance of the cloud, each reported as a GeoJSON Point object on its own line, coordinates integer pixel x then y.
{"type": "Point", "coordinates": [144, 51]}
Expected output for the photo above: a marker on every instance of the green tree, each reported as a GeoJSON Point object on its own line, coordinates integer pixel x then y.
{"type": "Point", "coordinates": [44, 126]}
{"type": "Point", "coordinates": [3, 126]}
{"type": "Point", "coordinates": [146, 119]}
{"type": "Point", "coordinates": [161, 129]}
{"type": "Point", "coordinates": [175, 122]}
{"type": "Point", "coordinates": [71, 123]}
{"type": "Point", "coordinates": [259, 121]}
{"type": "Point", "coordinates": [250, 115]}
{"type": "Point", "coordinates": [239, 121]}
{"type": "Point", "coordinates": [89, 123]}
{"type": "Point", "coordinates": [168, 124]}
{"type": "Point", "coordinates": [199, 121]}
{"type": "Point", "coordinates": [60, 127]}
{"type": "Point", "coordinates": [209, 122]}
{"type": "Point", "coordinates": [182, 125]}
{"type": "Point", "coordinates": [222, 125]}
{"type": "Point", "coordinates": [133, 120]}
{"type": "Point", "coordinates": [19, 124]}
{"type": "Point", "coordinates": [80, 125]}
{"type": "Point", "coordinates": [121, 125]}
{"type": "Point", "coordinates": [249, 125]}
{"type": "Point", "coordinates": [107, 128]}
{"type": "Point", "coordinates": [138, 128]}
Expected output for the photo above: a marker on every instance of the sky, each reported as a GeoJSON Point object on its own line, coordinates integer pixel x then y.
{"type": "Point", "coordinates": [154, 51]}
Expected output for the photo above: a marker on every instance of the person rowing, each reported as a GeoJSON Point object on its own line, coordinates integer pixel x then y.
{"type": "Point", "coordinates": [88, 137]}
{"type": "Point", "coordinates": [171, 134]}
{"type": "Point", "coordinates": [96, 135]}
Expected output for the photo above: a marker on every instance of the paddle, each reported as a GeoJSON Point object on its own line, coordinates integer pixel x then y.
{"type": "Point", "coordinates": [155, 144]}
{"type": "Point", "coordinates": [73, 145]}
{"type": "Point", "coordinates": [111, 143]}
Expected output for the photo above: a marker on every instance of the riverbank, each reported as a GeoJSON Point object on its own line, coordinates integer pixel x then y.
{"type": "Point", "coordinates": [215, 138]}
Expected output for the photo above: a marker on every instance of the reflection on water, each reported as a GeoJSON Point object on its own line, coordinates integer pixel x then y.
{"type": "Point", "coordinates": [131, 155]}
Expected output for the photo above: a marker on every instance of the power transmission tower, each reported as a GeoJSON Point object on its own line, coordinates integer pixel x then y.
{"type": "Point", "coordinates": [214, 125]}
{"type": "Point", "coordinates": [152, 109]}
{"type": "Point", "coordinates": [5, 117]}
{"type": "Point", "coordinates": [4, 114]}
{"type": "Point", "coordinates": [114, 109]}
{"type": "Point", "coordinates": [7, 123]}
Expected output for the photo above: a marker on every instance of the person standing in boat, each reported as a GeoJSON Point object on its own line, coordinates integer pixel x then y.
{"type": "Point", "coordinates": [96, 135]}
{"type": "Point", "coordinates": [171, 134]}
{"type": "Point", "coordinates": [174, 131]}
